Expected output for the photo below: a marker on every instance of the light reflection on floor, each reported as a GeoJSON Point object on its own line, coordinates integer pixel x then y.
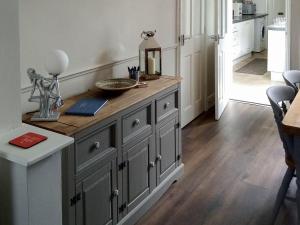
{"type": "Point", "coordinates": [251, 88]}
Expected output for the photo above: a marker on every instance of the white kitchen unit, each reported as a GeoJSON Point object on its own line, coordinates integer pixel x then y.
{"type": "Point", "coordinates": [243, 38]}
{"type": "Point", "coordinates": [259, 34]}
{"type": "Point", "coordinates": [276, 51]}
{"type": "Point", "coordinates": [30, 179]}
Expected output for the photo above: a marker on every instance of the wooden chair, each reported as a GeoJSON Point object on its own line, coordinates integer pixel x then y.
{"type": "Point", "coordinates": [292, 79]}
{"type": "Point", "coordinates": [279, 97]}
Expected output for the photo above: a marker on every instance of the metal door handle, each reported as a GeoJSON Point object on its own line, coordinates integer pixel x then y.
{"type": "Point", "coordinates": [167, 104]}
{"type": "Point", "coordinates": [216, 38]}
{"type": "Point", "coordinates": [159, 158]}
{"type": "Point", "coordinates": [183, 38]}
{"type": "Point", "coordinates": [152, 164]}
{"type": "Point", "coordinates": [115, 193]}
{"type": "Point", "coordinates": [136, 122]}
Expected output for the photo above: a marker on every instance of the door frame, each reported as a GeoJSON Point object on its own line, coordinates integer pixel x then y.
{"type": "Point", "coordinates": [178, 33]}
{"type": "Point", "coordinates": [288, 11]}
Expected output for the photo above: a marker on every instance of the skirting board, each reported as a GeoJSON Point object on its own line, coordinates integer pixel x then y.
{"type": "Point", "coordinates": [242, 58]}
{"type": "Point", "coordinates": [145, 205]}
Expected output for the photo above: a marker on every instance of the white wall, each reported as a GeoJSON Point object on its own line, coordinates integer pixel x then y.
{"type": "Point", "coordinates": [101, 38]}
{"type": "Point", "coordinates": [261, 6]}
{"type": "Point", "coordinates": [10, 110]}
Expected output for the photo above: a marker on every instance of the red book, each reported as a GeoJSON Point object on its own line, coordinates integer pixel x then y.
{"type": "Point", "coordinates": [28, 140]}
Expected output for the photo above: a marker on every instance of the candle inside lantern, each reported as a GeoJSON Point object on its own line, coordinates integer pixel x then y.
{"type": "Point", "coordinates": [151, 65]}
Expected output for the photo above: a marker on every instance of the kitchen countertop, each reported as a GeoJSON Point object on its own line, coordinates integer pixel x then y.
{"type": "Point", "coordinates": [277, 27]}
{"type": "Point", "coordinates": [243, 18]}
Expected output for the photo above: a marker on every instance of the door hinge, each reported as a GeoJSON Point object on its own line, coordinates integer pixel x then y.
{"type": "Point", "coordinates": [122, 165]}
{"type": "Point", "coordinates": [75, 199]}
{"type": "Point", "coordinates": [178, 125]}
{"type": "Point", "coordinates": [122, 207]}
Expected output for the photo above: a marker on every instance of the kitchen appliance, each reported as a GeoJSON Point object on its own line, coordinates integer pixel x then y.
{"type": "Point", "coordinates": [249, 8]}
{"type": "Point", "coordinates": [237, 9]}
{"type": "Point", "coordinates": [260, 34]}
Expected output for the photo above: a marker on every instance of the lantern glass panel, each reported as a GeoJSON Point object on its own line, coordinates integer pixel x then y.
{"type": "Point", "coordinates": [142, 61]}
{"type": "Point", "coordinates": [153, 61]}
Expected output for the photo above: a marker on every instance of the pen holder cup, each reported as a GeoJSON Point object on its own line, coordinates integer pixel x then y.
{"type": "Point", "coordinates": [135, 75]}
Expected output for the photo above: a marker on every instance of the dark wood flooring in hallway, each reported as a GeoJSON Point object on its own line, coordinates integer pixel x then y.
{"type": "Point", "coordinates": [233, 169]}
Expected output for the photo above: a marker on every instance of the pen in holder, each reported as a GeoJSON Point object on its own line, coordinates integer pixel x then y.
{"type": "Point", "coordinates": [134, 73]}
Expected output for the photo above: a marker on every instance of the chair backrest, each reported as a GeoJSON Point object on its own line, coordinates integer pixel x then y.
{"type": "Point", "coordinates": [292, 79]}
{"type": "Point", "coordinates": [279, 96]}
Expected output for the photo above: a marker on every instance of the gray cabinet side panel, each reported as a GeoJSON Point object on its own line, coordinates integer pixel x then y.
{"type": "Point", "coordinates": [13, 193]}
{"type": "Point", "coordinates": [44, 191]}
{"type": "Point", "coordinates": [68, 185]}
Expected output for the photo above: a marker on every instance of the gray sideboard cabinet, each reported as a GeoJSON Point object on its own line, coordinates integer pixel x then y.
{"type": "Point", "coordinates": [124, 158]}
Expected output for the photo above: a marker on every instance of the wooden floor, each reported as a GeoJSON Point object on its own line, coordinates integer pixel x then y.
{"type": "Point", "coordinates": [233, 169]}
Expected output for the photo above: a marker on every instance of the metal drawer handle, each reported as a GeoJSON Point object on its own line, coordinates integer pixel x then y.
{"type": "Point", "coordinates": [97, 145]}
{"type": "Point", "coordinates": [136, 122]}
{"type": "Point", "coordinates": [167, 105]}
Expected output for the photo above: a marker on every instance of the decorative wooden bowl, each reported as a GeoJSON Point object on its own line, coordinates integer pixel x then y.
{"type": "Point", "coordinates": [117, 84]}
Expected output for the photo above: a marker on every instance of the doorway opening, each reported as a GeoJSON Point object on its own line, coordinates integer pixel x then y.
{"type": "Point", "coordinates": [260, 43]}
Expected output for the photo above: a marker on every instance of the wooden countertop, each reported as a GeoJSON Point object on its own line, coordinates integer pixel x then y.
{"type": "Point", "coordinates": [69, 125]}
{"type": "Point", "coordinates": [291, 121]}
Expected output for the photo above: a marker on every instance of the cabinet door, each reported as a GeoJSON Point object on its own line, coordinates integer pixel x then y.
{"type": "Point", "coordinates": [247, 37]}
{"type": "Point", "coordinates": [167, 147]}
{"type": "Point", "coordinates": [251, 43]}
{"type": "Point", "coordinates": [97, 197]}
{"type": "Point", "coordinates": [138, 174]}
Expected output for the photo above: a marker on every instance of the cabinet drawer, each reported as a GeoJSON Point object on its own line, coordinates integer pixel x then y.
{"type": "Point", "coordinates": [95, 146]}
{"type": "Point", "coordinates": [137, 123]}
{"type": "Point", "coordinates": [165, 106]}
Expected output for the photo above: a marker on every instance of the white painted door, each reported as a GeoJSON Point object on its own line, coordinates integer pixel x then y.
{"type": "Point", "coordinates": [223, 55]}
{"type": "Point", "coordinates": [192, 58]}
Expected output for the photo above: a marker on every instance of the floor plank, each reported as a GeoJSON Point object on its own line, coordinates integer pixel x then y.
{"type": "Point", "coordinates": [233, 169]}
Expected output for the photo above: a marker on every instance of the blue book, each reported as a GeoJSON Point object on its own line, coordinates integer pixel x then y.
{"type": "Point", "coordinates": [86, 107]}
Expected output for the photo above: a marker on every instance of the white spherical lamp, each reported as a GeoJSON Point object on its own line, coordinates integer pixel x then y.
{"type": "Point", "coordinates": [57, 62]}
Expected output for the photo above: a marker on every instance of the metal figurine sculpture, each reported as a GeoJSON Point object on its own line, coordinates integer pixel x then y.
{"type": "Point", "coordinates": [49, 96]}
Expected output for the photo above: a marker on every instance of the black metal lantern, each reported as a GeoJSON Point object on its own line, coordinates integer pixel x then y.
{"type": "Point", "coordinates": [150, 56]}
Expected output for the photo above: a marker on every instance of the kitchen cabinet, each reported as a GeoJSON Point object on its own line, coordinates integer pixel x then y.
{"type": "Point", "coordinates": [276, 51]}
{"type": "Point", "coordinates": [96, 197]}
{"type": "Point", "coordinates": [243, 38]}
{"type": "Point", "coordinates": [167, 148]}
{"type": "Point", "coordinates": [124, 158]}
{"type": "Point", "coordinates": [139, 174]}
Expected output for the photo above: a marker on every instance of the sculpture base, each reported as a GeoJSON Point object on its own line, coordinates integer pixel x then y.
{"type": "Point", "coordinates": [53, 117]}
